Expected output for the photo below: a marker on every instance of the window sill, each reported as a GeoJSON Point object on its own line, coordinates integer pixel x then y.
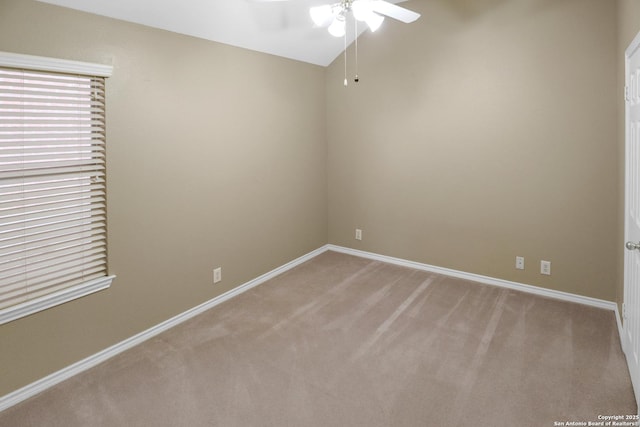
{"type": "Point", "coordinates": [10, 314]}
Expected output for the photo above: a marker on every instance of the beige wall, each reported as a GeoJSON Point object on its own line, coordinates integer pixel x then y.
{"type": "Point", "coordinates": [486, 129]}
{"type": "Point", "coordinates": [628, 27]}
{"type": "Point", "coordinates": [216, 157]}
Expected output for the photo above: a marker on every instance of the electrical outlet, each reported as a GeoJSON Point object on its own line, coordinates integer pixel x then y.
{"type": "Point", "coordinates": [217, 274]}
{"type": "Point", "coordinates": [520, 262]}
{"type": "Point", "coordinates": [545, 267]}
{"type": "Point", "coordinates": [358, 234]}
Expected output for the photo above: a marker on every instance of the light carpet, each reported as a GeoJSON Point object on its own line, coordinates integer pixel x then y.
{"type": "Point", "coordinates": [346, 341]}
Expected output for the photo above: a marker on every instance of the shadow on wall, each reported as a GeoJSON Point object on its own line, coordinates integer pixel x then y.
{"type": "Point", "coordinates": [470, 9]}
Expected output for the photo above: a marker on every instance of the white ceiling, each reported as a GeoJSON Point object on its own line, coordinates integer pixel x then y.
{"type": "Point", "coordinates": [281, 28]}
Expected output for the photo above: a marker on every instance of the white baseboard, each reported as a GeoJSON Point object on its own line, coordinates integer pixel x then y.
{"type": "Point", "coordinates": [91, 361]}
{"type": "Point", "coordinates": [565, 296]}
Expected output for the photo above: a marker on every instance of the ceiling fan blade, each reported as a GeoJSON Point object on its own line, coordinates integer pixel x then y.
{"type": "Point", "coordinates": [396, 12]}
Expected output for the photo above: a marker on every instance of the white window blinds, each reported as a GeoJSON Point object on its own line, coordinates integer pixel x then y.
{"type": "Point", "coordinates": [52, 189]}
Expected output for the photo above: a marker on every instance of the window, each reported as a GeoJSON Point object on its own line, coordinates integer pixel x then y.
{"type": "Point", "coordinates": [52, 183]}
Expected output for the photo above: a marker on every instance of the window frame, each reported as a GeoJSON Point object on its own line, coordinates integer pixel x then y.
{"type": "Point", "coordinates": [55, 65]}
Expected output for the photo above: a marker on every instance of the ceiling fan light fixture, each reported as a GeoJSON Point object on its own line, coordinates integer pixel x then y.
{"type": "Point", "coordinates": [361, 10]}
{"type": "Point", "coordinates": [337, 27]}
{"type": "Point", "coordinates": [374, 21]}
{"type": "Point", "coordinates": [321, 15]}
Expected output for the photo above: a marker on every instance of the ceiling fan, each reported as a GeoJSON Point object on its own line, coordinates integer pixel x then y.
{"type": "Point", "coordinates": [372, 12]}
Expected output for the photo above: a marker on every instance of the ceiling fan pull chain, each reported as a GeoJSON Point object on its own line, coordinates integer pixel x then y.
{"type": "Point", "coordinates": [357, 79]}
{"type": "Point", "coordinates": [346, 83]}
